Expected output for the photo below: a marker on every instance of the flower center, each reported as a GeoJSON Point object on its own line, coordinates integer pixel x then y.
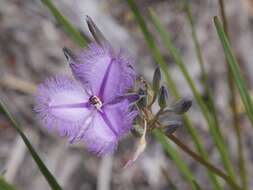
{"type": "Point", "coordinates": [95, 101]}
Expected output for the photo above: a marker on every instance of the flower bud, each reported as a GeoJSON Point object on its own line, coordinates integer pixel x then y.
{"type": "Point", "coordinates": [70, 56]}
{"type": "Point", "coordinates": [156, 80]}
{"type": "Point", "coordinates": [182, 106]}
{"type": "Point", "coordinates": [96, 33]}
{"type": "Point", "coordinates": [172, 127]}
{"type": "Point", "coordinates": [162, 98]}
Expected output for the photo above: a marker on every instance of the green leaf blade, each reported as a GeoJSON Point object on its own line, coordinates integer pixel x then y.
{"type": "Point", "coordinates": [44, 170]}
{"type": "Point", "coordinates": [210, 118]}
{"type": "Point", "coordinates": [74, 34]}
{"type": "Point", "coordinates": [240, 83]}
{"type": "Point", "coordinates": [182, 166]}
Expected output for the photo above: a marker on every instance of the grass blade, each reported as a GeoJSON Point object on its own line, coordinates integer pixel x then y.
{"type": "Point", "coordinates": [4, 185]}
{"type": "Point", "coordinates": [196, 185]}
{"type": "Point", "coordinates": [233, 105]}
{"type": "Point", "coordinates": [200, 60]}
{"type": "Point", "coordinates": [176, 157]}
{"type": "Point", "coordinates": [240, 83]}
{"type": "Point", "coordinates": [74, 34]}
{"type": "Point", "coordinates": [46, 173]}
{"type": "Point", "coordinates": [212, 123]}
{"type": "Point", "coordinates": [153, 48]}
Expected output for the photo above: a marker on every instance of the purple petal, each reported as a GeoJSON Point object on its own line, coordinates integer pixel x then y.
{"type": "Point", "coordinates": [107, 127]}
{"type": "Point", "coordinates": [120, 117]}
{"type": "Point", "coordinates": [99, 138]}
{"type": "Point", "coordinates": [108, 74]}
{"type": "Point", "coordinates": [131, 97]}
{"type": "Point", "coordinates": [61, 104]}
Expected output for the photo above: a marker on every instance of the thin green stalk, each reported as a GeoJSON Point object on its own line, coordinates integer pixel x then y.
{"type": "Point", "coordinates": [44, 170]}
{"type": "Point", "coordinates": [235, 69]}
{"type": "Point", "coordinates": [73, 33]}
{"type": "Point", "coordinates": [232, 102]}
{"type": "Point", "coordinates": [171, 85]}
{"type": "Point", "coordinates": [198, 142]}
{"type": "Point", "coordinates": [152, 46]}
{"type": "Point", "coordinates": [176, 157]}
{"type": "Point", "coordinates": [196, 45]}
{"type": "Point", "coordinates": [171, 185]}
{"type": "Point", "coordinates": [213, 126]}
{"type": "Point", "coordinates": [202, 161]}
{"type": "Point", "coordinates": [197, 187]}
{"type": "Point", "coordinates": [201, 61]}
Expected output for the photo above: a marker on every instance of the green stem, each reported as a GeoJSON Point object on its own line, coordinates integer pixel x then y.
{"type": "Point", "coordinates": [202, 161]}
{"type": "Point", "coordinates": [180, 163]}
{"type": "Point", "coordinates": [196, 44]}
{"type": "Point", "coordinates": [232, 101]}
{"type": "Point", "coordinates": [200, 60]}
{"type": "Point", "coordinates": [171, 185]}
{"type": "Point", "coordinates": [213, 124]}
{"type": "Point", "coordinates": [73, 33]}
{"type": "Point", "coordinates": [44, 170]}
{"type": "Point", "coordinates": [171, 85]}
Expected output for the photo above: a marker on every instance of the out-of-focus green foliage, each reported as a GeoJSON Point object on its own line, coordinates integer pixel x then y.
{"type": "Point", "coordinates": [73, 33]}
{"type": "Point", "coordinates": [4, 185]}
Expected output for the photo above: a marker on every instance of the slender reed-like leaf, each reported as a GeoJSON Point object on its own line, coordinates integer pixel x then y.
{"type": "Point", "coordinates": [244, 93]}
{"type": "Point", "coordinates": [44, 170]}
{"type": "Point", "coordinates": [203, 162]}
{"type": "Point", "coordinates": [196, 185]}
{"type": "Point", "coordinates": [234, 109]}
{"type": "Point", "coordinates": [196, 44]}
{"type": "Point", "coordinates": [213, 126]}
{"type": "Point", "coordinates": [158, 57]}
{"type": "Point", "coordinates": [166, 174]}
{"type": "Point", "coordinates": [200, 60]}
{"type": "Point", "coordinates": [176, 157]}
{"type": "Point", "coordinates": [74, 34]}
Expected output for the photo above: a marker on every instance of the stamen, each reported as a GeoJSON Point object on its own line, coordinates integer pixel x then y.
{"type": "Point", "coordinates": [94, 100]}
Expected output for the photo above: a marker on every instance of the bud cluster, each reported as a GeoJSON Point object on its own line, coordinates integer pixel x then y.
{"type": "Point", "coordinates": [168, 117]}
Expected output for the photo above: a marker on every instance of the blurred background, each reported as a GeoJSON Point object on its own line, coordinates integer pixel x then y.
{"type": "Point", "coordinates": [31, 49]}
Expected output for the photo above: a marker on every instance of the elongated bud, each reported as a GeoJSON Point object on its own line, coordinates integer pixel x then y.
{"type": "Point", "coordinates": [70, 56]}
{"type": "Point", "coordinates": [182, 106]}
{"type": "Point", "coordinates": [96, 33]}
{"type": "Point", "coordinates": [156, 80]}
{"type": "Point", "coordinates": [162, 98]}
{"type": "Point", "coordinates": [172, 127]}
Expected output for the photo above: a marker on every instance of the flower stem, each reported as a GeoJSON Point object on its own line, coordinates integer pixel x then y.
{"type": "Point", "coordinates": [202, 161]}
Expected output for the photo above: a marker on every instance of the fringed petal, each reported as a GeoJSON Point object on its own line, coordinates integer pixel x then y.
{"type": "Point", "coordinates": [120, 116]}
{"type": "Point", "coordinates": [99, 138]}
{"type": "Point", "coordinates": [106, 72]}
{"type": "Point", "coordinates": [61, 104]}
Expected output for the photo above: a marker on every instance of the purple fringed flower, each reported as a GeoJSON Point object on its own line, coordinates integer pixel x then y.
{"type": "Point", "coordinates": [95, 108]}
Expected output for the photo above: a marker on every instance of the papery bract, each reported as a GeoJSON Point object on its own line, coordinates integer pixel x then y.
{"type": "Point", "coordinates": [94, 109]}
